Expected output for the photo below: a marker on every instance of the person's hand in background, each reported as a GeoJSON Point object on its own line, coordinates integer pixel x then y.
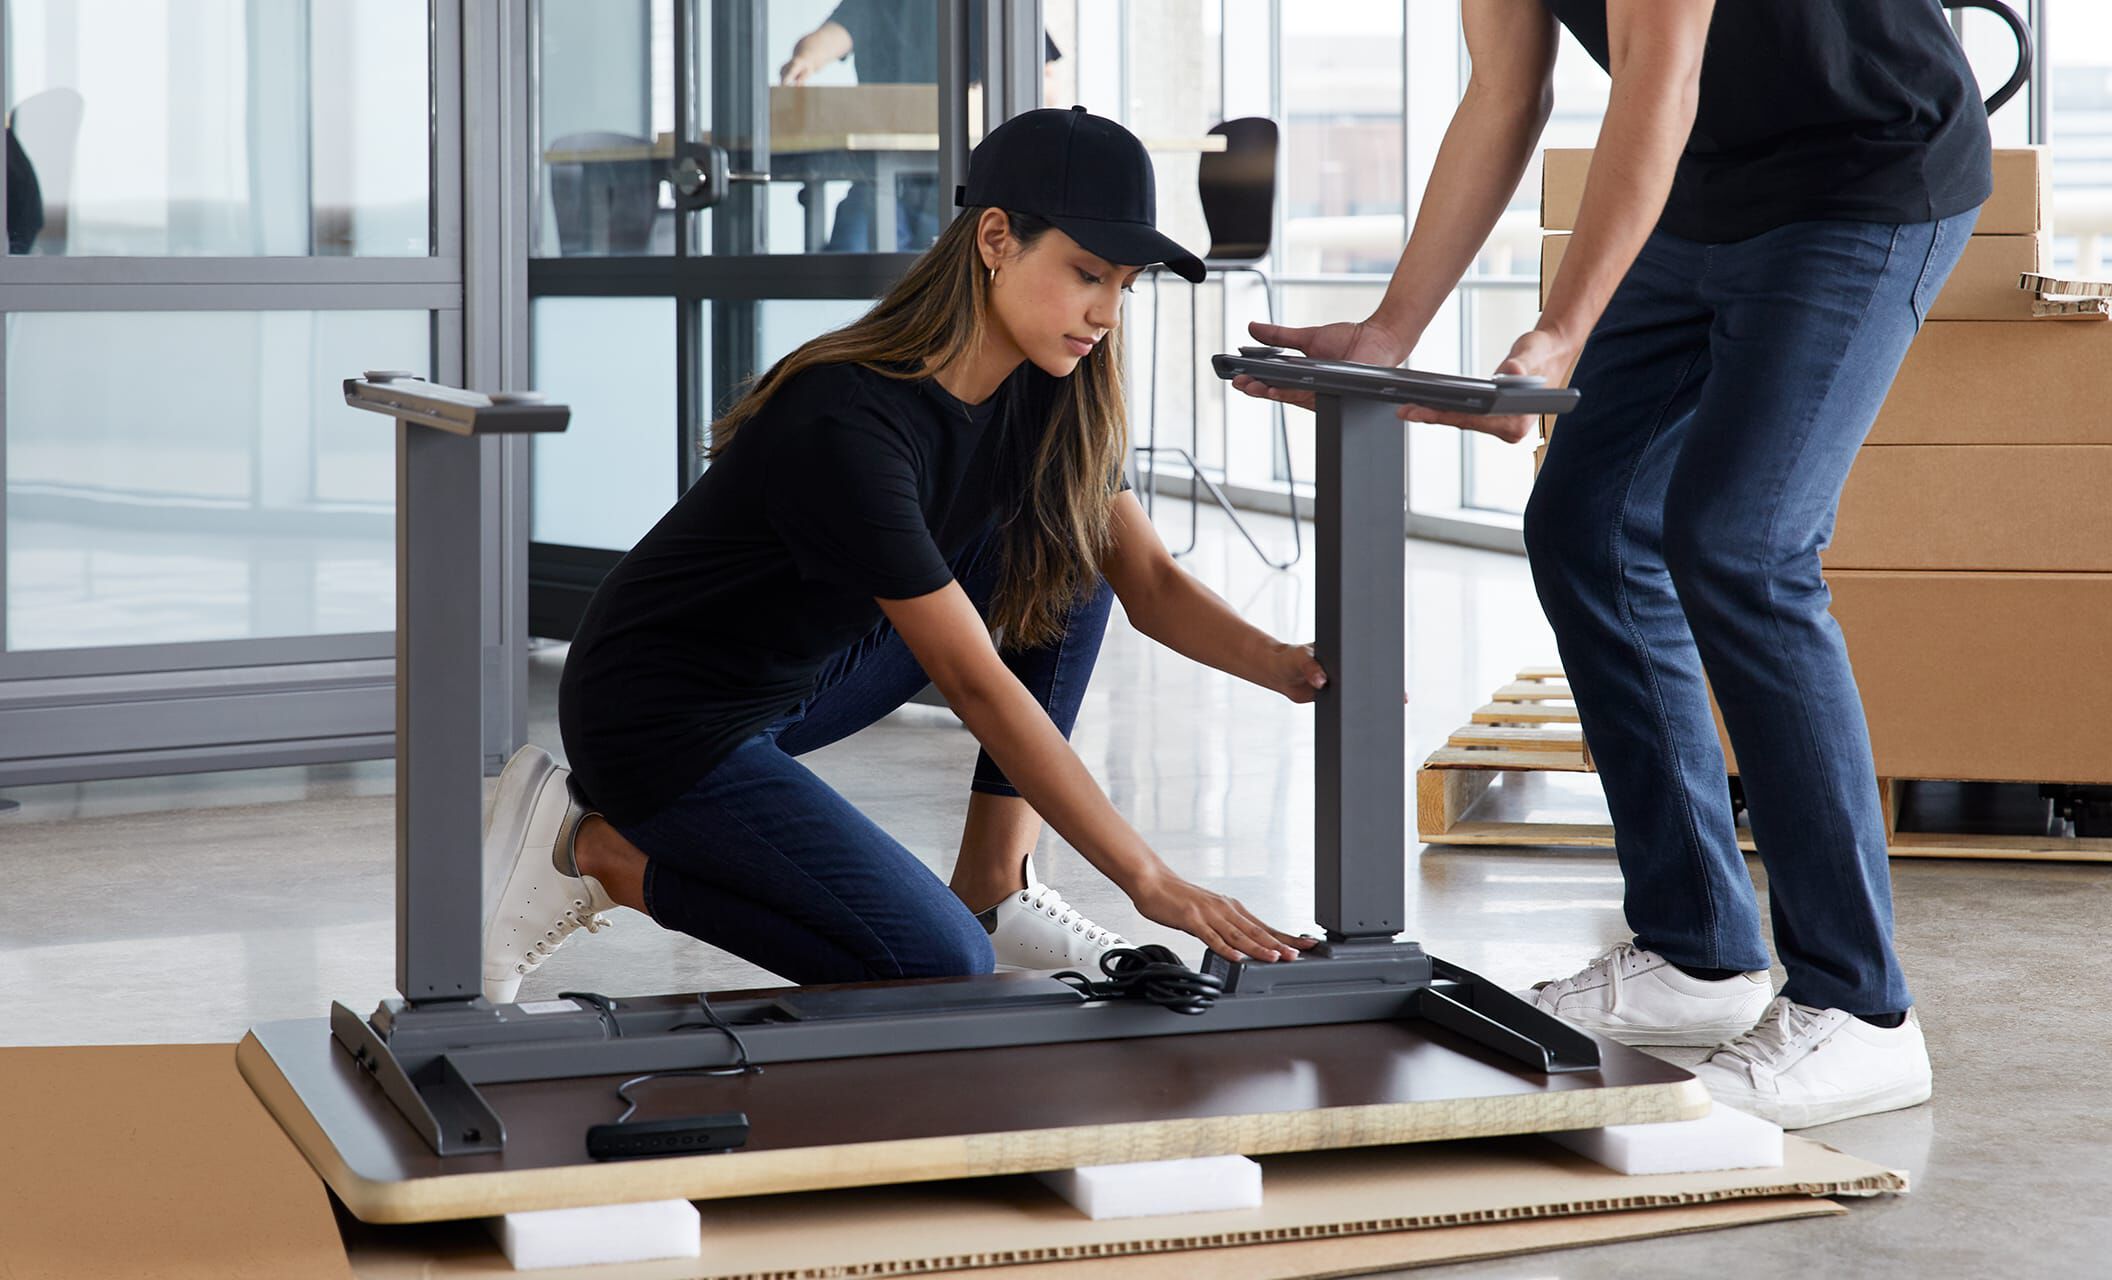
{"type": "Point", "coordinates": [825, 44]}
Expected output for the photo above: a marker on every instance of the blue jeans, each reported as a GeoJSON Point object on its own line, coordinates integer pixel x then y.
{"type": "Point", "coordinates": [764, 859]}
{"type": "Point", "coordinates": [1675, 529]}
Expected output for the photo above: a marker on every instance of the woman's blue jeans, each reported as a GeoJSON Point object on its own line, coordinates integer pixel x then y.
{"type": "Point", "coordinates": [765, 860]}
{"type": "Point", "coordinates": [1675, 532]}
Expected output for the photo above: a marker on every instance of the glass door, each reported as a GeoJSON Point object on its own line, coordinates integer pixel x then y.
{"type": "Point", "coordinates": [716, 181]}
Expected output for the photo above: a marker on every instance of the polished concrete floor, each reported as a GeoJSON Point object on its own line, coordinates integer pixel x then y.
{"type": "Point", "coordinates": [186, 909]}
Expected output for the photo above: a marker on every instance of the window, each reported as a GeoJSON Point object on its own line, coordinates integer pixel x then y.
{"type": "Point", "coordinates": [159, 128]}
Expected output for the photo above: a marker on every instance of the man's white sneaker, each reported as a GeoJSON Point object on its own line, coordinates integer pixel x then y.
{"type": "Point", "coordinates": [1801, 1066]}
{"type": "Point", "coordinates": [1036, 929]}
{"type": "Point", "coordinates": [1639, 997]}
{"type": "Point", "coordinates": [532, 888]}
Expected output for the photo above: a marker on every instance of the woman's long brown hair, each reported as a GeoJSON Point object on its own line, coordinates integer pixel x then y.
{"type": "Point", "coordinates": [1061, 474]}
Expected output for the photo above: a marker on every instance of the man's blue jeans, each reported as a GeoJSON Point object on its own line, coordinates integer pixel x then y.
{"type": "Point", "coordinates": [1675, 530]}
{"type": "Point", "coordinates": [764, 859]}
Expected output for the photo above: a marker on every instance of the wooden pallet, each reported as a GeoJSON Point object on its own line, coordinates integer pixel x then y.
{"type": "Point", "coordinates": [1516, 775]}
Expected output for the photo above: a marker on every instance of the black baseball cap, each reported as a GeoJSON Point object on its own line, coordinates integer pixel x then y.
{"type": "Point", "coordinates": [1084, 173]}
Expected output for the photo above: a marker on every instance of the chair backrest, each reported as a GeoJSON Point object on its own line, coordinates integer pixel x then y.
{"type": "Point", "coordinates": [47, 126]}
{"type": "Point", "coordinates": [604, 206]}
{"type": "Point", "coordinates": [1238, 189]}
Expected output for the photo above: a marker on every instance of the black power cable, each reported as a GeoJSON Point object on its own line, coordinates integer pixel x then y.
{"type": "Point", "coordinates": [689, 1135]}
{"type": "Point", "coordinates": [1150, 972]}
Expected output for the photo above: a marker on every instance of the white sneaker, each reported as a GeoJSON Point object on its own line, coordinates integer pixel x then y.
{"type": "Point", "coordinates": [1639, 997]}
{"type": "Point", "coordinates": [1802, 1066]}
{"type": "Point", "coordinates": [1036, 929]}
{"type": "Point", "coordinates": [532, 889]}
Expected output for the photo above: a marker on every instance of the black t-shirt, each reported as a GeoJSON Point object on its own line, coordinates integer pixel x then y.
{"type": "Point", "coordinates": [897, 41]}
{"type": "Point", "coordinates": [848, 485]}
{"type": "Point", "coordinates": [1862, 110]}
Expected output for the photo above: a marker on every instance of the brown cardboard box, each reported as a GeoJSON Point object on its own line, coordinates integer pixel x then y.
{"type": "Point", "coordinates": [1982, 676]}
{"type": "Point", "coordinates": [1977, 507]}
{"type": "Point", "coordinates": [1982, 287]}
{"type": "Point", "coordinates": [2020, 206]}
{"type": "Point", "coordinates": [1984, 284]}
{"type": "Point", "coordinates": [1988, 382]}
{"type": "Point", "coordinates": [2023, 200]}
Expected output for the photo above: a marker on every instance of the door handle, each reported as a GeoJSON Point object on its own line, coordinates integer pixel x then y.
{"type": "Point", "coordinates": [701, 175]}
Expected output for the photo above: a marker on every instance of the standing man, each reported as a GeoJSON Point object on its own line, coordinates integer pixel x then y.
{"type": "Point", "coordinates": [1779, 191]}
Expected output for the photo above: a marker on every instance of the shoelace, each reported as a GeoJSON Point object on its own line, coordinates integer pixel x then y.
{"type": "Point", "coordinates": [1051, 904]}
{"type": "Point", "coordinates": [1614, 962]}
{"type": "Point", "coordinates": [567, 924]}
{"type": "Point", "coordinates": [1771, 1039]}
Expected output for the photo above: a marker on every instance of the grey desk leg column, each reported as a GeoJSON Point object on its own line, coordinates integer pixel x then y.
{"type": "Point", "coordinates": [439, 774]}
{"type": "Point", "coordinates": [1360, 784]}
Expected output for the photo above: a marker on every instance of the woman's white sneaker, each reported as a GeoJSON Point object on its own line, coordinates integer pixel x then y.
{"type": "Point", "coordinates": [1036, 929]}
{"type": "Point", "coordinates": [1639, 997]}
{"type": "Point", "coordinates": [533, 890]}
{"type": "Point", "coordinates": [1801, 1066]}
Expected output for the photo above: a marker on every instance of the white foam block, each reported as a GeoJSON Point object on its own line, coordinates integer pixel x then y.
{"type": "Point", "coordinates": [1206, 1184]}
{"type": "Point", "coordinates": [601, 1233]}
{"type": "Point", "coordinates": [1723, 1139]}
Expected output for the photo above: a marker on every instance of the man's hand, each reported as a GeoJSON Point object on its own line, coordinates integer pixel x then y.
{"type": "Point", "coordinates": [805, 62]}
{"type": "Point", "coordinates": [1537, 352]}
{"type": "Point", "coordinates": [1364, 341]}
{"type": "Point", "coordinates": [825, 44]}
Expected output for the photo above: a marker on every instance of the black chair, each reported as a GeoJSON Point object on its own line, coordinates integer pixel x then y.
{"type": "Point", "coordinates": [605, 206]}
{"type": "Point", "coordinates": [1238, 190]}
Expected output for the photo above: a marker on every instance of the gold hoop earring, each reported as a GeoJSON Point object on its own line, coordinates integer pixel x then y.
{"type": "Point", "coordinates": [993, 277]}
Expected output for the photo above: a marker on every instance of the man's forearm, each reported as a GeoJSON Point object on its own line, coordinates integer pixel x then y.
{"type": "Point", "coordinates": [1485, 151]}
{"type": "Point", "coordinates": [829, 42]}
{"type": "Point", "coordinates": [1648, 117]}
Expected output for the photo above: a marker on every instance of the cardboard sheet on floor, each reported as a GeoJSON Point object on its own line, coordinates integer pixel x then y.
{"type": "Point", "coordinates": [1324, 1213]}
{"type": "Point", "coordinates": [135, 1160]}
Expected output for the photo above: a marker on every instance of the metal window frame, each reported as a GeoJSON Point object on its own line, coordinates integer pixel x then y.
{"type": "Point", "coordinates": [303, 699]}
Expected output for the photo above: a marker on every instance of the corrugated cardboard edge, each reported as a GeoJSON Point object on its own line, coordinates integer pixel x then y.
{"type": "Point", "coordinates": [1363, 1255]}
{"type": "Point", "coordinates": [893, 1231]}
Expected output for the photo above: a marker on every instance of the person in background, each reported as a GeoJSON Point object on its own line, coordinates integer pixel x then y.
{"type": "Point", "coordinates": [893, 42]}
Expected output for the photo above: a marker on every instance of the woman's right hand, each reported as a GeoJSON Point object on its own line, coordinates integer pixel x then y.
{"type": "Point", "coordinates": [1226, 926]}
{"type": "Point", "coordinates": [1364, 341]}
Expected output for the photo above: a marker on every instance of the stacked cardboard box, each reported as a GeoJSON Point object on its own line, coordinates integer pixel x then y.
{"type": "Point", "coordinates": [1971, 564]}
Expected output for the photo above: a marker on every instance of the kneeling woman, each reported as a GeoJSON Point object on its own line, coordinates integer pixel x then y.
{"type": "Point", "coordinates": [881, 503]}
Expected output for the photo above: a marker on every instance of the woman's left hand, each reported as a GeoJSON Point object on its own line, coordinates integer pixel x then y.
{"type": "Point", "coordinates": [1539, 353]}
{"type": "Point", "coordinates": [1297, 673]}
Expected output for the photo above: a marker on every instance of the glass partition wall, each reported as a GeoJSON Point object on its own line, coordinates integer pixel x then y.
{"type": "Point", "coordinates": [215, 209]}
{"type": "Point", "coordinates": [716, 181]}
